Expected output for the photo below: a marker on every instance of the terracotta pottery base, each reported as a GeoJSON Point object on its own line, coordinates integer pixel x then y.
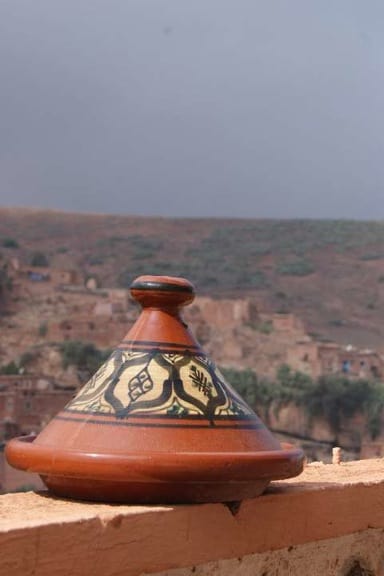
{"type": "Point", "coordinates": [154, 493]}
{"type": "Point", "coordinates": [155, 478]}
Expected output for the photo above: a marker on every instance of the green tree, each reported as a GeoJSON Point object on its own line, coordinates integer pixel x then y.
{"type": "Point", "coordinates": [10, 368]}
{"type": "Point", "coordinates": [85, 356]}
{"type": "Point", "coordinates": [10, 243]}
{"type": "Point", "coordinates": [5, 282]}
{"type": "Point", "coordinates": [331, 397]}
{"type": "Point", "coordinates": [257, 392]}
{"type": "Point", "coordinates": [39, 259]}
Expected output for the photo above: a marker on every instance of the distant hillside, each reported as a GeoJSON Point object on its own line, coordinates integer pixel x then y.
{"type": "Point", "coordinates": [329, 273]}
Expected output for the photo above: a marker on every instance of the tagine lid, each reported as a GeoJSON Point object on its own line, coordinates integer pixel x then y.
{"type": "Point", "coordinates": [157, 422]}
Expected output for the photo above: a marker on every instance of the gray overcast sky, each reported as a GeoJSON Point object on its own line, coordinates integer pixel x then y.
{"type": "Point", "coordinates": [270, 108]}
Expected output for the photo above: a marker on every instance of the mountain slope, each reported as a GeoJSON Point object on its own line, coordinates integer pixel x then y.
{"type": "Point", "coordinates": [329, 273]}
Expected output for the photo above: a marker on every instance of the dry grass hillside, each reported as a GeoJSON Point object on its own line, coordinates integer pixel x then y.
{"type": "Point", "coordinates": [329, 273]}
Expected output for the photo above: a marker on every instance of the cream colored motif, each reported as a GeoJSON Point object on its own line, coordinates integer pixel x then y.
{"type": "Point", "coordinates": [158, 383]}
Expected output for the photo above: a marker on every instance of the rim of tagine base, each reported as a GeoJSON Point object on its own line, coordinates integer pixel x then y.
{"type": "Point", "coordinates": [227, 476]}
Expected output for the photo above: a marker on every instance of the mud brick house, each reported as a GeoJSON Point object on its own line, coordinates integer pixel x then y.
{"type": "Point", "coordinates": [96, 329]}
{"type": "Point", "coordinates": [56, 276]}
{"type": "Point", "coordinates": [27, 403]}
{"type": "Point", "coordinates": [287, 323]}
{"type": "Point", "coordinates": [53, 275]}
{"type": "Point", "coordinates": [317, 359]}
{"type": "Point", "coordinates": [116, 302]}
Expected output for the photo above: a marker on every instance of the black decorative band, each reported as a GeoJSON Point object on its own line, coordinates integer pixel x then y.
{"type": "Point", "coordinates": [196, 417]}
{"type": "Point", "coordinates": [153, 344]}
{"type": "Point", "coordinates": [163, 286]}
{"type": "Point", "coordinates": [177, 423]}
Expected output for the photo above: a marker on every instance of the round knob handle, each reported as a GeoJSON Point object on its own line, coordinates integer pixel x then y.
{"type": "Point", "coordinates": [162, 291]}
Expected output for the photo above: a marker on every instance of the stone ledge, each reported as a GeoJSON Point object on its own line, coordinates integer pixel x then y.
{"type": "Point", "coordinates": [43, 535]}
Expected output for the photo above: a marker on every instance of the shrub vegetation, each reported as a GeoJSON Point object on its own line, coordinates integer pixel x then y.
{"type": "Point", "coordinates": [332, 397]}
{"type": "Point", "coordinates": [85, 356]}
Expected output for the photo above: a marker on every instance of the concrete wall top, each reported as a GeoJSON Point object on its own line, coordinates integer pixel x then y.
{"type": "Point", "coordinates": [43, 535]}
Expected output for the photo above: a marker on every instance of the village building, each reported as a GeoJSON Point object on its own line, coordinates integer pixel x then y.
{"type": "Point", "coordinates": [97, 329]}
{"type": "Point", "coordinates": [115, 301]}
{"type": "Point", "coordinates": [318, 358]}
{"type": "Point", "coordinates": [287, 323]}
{"type": "Point", "coordinates": [46, 274]}
{"type": "Point", "coordinates": [28, 402]}
{"type": "Point", "coordinates": [56, 276]}
{"type": "Point", "coordinates": [224, 312]}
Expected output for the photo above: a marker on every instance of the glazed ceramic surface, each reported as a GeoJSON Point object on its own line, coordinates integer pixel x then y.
{"type": "Point", "coordinates": [157, 422]}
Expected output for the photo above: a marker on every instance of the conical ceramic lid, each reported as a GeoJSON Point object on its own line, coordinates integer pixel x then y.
{"type": "Point", "coordinates": [157, 422]}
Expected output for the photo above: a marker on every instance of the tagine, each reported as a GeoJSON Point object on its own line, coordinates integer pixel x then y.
{"type": "Point", "coordinates": [157, 423]}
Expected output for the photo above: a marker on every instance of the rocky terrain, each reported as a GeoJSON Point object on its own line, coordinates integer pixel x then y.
{"type": "Point", "coordinates": [41, 316]}
{"type": "Point", "coordinates": [328, 273]}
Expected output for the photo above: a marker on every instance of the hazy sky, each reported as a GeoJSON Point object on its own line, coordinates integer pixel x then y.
{"type": "Point", "coordinates": [270, 108]}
